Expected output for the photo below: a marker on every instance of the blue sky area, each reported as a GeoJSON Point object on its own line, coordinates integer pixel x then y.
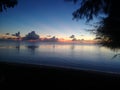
{"type": "Point", "coordinates": [45, 17]}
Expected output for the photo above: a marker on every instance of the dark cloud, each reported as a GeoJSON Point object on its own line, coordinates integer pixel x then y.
{"type": "Point", "coordinates": [16, 34]}
{"type": "Point", "coordinates": [31, 36]}
{"type": "Point", "coordinates": [52, 39]}
{"type": "Point", "coordinates": [48, 35]}
{"type": "Point", "coordinates": [7, 34]}
{"type": "Point", "coordinates": [72, 36]}
{"type": "Point", "coordinates": [74, 39]}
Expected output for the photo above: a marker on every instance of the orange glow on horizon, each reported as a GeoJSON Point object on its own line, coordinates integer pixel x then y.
{"type": "Point", "coordinates": [60, 39]}
{"type": "Point", "coordinates": [77, 41]}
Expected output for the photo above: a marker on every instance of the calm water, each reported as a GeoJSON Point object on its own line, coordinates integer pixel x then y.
{"type": "Point", "coordinates": [77, 56]}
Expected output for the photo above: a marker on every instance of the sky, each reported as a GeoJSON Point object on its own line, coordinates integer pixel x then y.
{"type": "Point", "coordinates": [45, 17]}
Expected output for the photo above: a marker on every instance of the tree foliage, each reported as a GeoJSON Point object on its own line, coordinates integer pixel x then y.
{"type": "Point", "coordinates": [5, 4]}
{"type": "Point", "coordinates": [90, 8]}
{"type": "Point", "coordinates": [108, 29]}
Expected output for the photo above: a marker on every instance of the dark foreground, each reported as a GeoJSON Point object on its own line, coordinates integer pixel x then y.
{"type": "Point", "coordinates": [12, 75]}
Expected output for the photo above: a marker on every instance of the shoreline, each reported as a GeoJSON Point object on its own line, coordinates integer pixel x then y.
{"type": "Point", "coordinates": [52, 67]}
{"type": "Point", "coordinates": [22, 74]}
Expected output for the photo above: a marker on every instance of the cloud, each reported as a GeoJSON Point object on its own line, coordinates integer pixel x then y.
{"type": "Point", "coordinates": [81, 35]}
{"type": "Point", "coordinates": [31, 36]}
{"type": "Point", "coordinates": [16, 34]}
{"type": "Point", "coordinates": [74, 39]}
{"type": "Point", "coordinates": [48, 35]}
{"type": "Point", "coordinates": [72, 36]}
{"type": "Point", "coordinates": [7, 34]}
{"type": "Point", "coordinates": [52, 39]}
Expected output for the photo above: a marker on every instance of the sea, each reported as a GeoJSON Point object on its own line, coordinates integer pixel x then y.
{"type": "Point", "coordinates": [83, 56]}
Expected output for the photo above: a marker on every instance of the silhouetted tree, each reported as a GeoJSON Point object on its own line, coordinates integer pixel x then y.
{"type": "Point", "coordinates": [4, 4]}
{"type": "Point", "coordinates": [108, 29]}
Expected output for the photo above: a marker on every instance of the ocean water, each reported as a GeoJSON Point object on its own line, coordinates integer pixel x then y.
{"type": "Point", "coordinates": [67, 55]}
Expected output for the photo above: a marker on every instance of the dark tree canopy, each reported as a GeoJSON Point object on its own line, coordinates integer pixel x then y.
{"type": "Point", "coordinates": [108, 29]}
{"type": "Point", "coordinates": [90, 8]}
{"type": "Point", "coordinates": [5, 4]}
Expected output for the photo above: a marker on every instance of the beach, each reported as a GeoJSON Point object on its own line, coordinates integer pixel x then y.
{"type": "Point", "coordinates": [26, 75]}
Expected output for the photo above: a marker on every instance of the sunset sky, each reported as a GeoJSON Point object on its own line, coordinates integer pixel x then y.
{"type": "Point", "coordinates": [45, 17]}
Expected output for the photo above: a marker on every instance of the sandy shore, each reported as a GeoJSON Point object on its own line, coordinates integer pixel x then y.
{"type": "Point", "coordinates": [20, 75]}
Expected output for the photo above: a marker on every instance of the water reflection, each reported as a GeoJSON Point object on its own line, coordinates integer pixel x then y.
{"type": "Point", "coordinates": [60, 54]}
{"type": "Point", "coordinates": [72, 47]}
{"type": "Point", "coordinates": [17, 46]}
{"type": "Point", "coordinates": [112, 48]}
{"type": "Point", "coordinates": [115, 56]}
{"type": "Point", "coordinates": [54, 46]}
{"type": "Point", "coordinates": [32, 48]}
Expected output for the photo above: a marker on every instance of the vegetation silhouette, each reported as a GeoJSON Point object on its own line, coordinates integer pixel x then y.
{"type": "Point", "coordinates": [5, 4]}
{"type": "Point", "coordinates": [108, 29]}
